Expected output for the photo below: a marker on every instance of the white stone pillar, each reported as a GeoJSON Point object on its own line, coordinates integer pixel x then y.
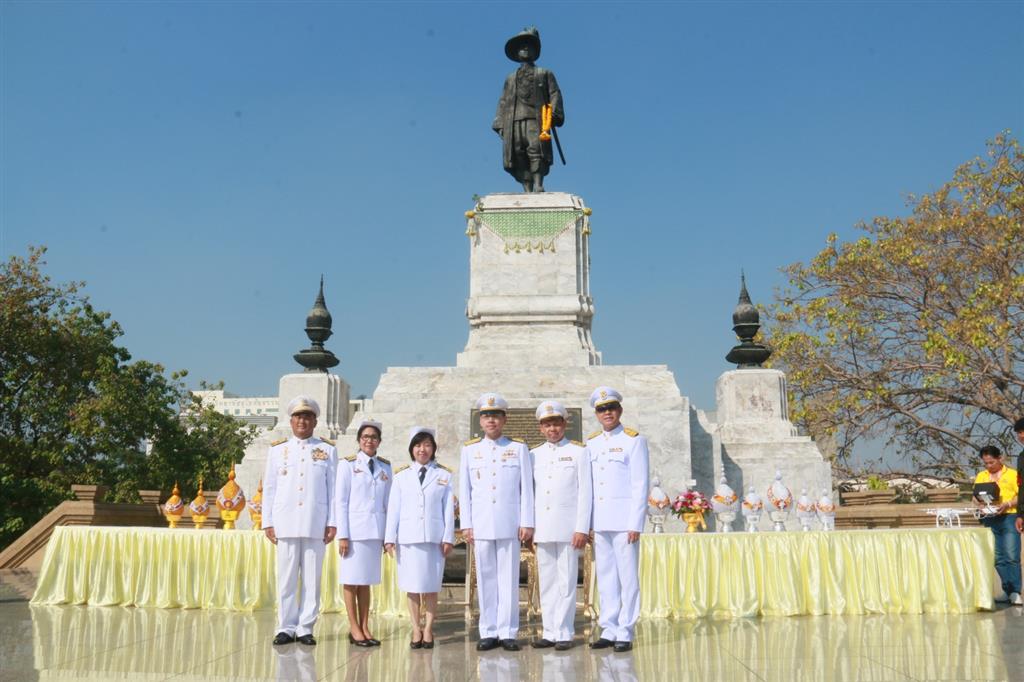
{"type": "Point", "coordinates": [757, 438]}
{"type": "Point", "coordinates": [330, 391]}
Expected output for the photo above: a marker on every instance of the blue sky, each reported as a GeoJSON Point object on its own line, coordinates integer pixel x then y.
{"type": "Point", "coordinates": [199, 165]}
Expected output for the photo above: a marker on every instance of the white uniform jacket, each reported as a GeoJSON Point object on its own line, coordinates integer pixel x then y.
{"type": "Point", "coordinates": [495, 488]}
{"type": "Point", "coordinates": [564, 490]}
{"type": "Point", "coordinates": [421, 513]}
{"type": "Point", "coordinates": [298, 487]}
{"type": "Point", "coordinates": [619, 464]}
{"type": "Point", "coordinates": [361, 498]}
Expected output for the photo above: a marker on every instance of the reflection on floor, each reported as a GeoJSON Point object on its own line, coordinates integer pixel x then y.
{"type": "Point", "coordinates": [97, 643]}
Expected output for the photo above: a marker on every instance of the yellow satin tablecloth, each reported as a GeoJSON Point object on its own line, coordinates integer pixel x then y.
{"type": "Point", "coordinates": [183, 568]}
{"type": "Point", "coordinates": [899, 571]}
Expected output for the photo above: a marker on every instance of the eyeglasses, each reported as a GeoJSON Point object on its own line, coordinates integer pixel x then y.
{"type": "Point", "coordinates": [369, 438]}
{"type": "Point", "coordinates": [606, 408]}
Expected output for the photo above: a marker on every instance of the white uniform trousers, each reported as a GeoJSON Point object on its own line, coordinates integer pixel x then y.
{"type": "Point", "coordinates": [497, 587]}
{"type": "Point", "coordinates": [618, 582]}
{"type": "Point", "coordinates": [557, 563]}
{"type": "Point", "coordinates": [298, 558]}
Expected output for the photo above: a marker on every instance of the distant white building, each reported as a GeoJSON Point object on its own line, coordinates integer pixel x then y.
{"type": "Point", "coordinates": [262, 411]}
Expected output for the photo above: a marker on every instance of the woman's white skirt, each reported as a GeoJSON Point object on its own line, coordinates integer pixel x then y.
{"type": "Point", "coordinates": [420, 567]}
{"type": "Point", "coordinates": [362, 565]}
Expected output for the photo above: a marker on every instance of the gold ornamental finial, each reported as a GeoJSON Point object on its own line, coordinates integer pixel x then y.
{"type": "Point", "coordinates": [174, 507]}
{"type": "Point", "coordinates": [230, 501]}
{"type": "Point", "coordinates": [200, 508]}
{"type": "Point", "coordinates": [256, 508]}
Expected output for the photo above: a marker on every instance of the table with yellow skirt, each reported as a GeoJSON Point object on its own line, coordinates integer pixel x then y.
{"type": "Point", "coordinates": [183, 568]}
{"type": "Point", "coordinates": [681, 576]}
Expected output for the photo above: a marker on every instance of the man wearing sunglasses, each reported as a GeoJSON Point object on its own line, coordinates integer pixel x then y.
{"type": "Point", "coordinates": [298, 517]}
{"type": "Point", "coordinates": [619, 468]}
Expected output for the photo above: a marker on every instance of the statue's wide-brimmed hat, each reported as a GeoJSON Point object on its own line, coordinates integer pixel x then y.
{"type": "Point", "coordinates": [528, 36]}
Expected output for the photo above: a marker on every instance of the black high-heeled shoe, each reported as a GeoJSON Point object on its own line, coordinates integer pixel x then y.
{"type": "Point", "coordinates": [428, 645]}
{"type": "Point", "coordinates": [415, 644]}
{"type": "Point", "coordinates": [359, 642]}
{"type": "Point", "coordinates": [373, 641]}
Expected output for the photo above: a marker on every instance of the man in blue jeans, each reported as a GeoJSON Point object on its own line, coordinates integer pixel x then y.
{"type": "Point", "coordinates": [1004, 523]}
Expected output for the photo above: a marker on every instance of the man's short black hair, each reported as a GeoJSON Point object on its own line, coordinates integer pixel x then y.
{"type": "Point", "coordinates": [1018, 425]}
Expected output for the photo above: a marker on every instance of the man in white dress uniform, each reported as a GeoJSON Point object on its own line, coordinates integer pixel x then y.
{"type": "Point", "coordinates": [619, 467]}
{"type": "Point", "coordinates": [564, 496]}
{"type": "Point", "coordinates": [298, 517]}
{"type": "Point", "coordinates": [496, 511]}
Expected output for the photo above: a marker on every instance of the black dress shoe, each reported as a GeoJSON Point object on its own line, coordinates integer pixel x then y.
{"type": "Point", "coordinates": [307, 640]}
{"type": "Point", "coordinates": [563, 646]}
{"type": "Point", "coordinates": [541, 643]}
{"type": "Point", "coordinates": [416, 645]}
{"type": "Point", "coordinates": [488, 643]}
{"type": "Point", "coordinates": [373, 642]}
{"type": "Point", "coordinates": [510, 645]}
{"type": "Point", "coordinates": [623, 646]}
{"type": "Point", "coordinates": [602, 644]}
{"type": "Point", "coordinates": [428, 645]}
{"type": "Point", "coordinates": [283, 638]}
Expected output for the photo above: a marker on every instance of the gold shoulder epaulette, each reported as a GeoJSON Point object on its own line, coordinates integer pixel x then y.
{"type": "Point", "coordinates": [400, 469]}
{"type": "Point", "coordinates": [350, 458]}
{"type": "Point", "coordinates": [278, 442]}
{"type": "Point", "coordinates": [518, 440]}
{"type": "Point", "coordinates": [576, 442]}
{"type": "Point", "coordinates": [473, 441]}
{"type": "Point", "coordinates": [381, 459]}
{"type": "Point", "coordinates": [595, 434]}
{"type": "Point", "coordinates": [630, 432]}
{"type": "Point", "coordinates": [441, 466]}
{"type": "Point", "coordinates": [328, 441]}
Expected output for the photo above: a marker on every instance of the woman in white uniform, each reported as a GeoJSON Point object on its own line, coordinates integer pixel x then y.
{"type": "Point", "coordinates": [361, 494]}
{"type": "Point", "coordinates": [421, 519]}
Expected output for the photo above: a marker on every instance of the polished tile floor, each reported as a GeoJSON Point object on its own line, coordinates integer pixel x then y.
{"type": "Point", "coordinates": [112, 643]}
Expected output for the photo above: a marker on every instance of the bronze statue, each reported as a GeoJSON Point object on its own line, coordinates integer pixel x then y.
{"type": "Point", "coordinates": [529, 110]}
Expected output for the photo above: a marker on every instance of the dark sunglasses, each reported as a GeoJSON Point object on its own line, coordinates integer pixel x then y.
{"type": "Point", "coordinates": [607, 407]}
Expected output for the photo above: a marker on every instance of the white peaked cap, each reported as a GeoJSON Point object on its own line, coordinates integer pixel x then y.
{"type": "Point", "coordinates": [302, 403]}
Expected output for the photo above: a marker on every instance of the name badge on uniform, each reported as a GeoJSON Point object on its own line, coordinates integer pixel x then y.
{"type": "Point", "coordinates": [442, 481]}
{"type": "Point", "coordinates": [614, 449]}
{"type": "Point", "coordinates": [565, 459]}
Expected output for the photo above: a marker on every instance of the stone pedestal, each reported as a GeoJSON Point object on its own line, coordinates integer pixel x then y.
{"type": "Point", "coordinates": [330, 391]}
{"type": "Point", "coordinates": [757, 439]}
{"type": "Point", "coordinates": [529, 283]}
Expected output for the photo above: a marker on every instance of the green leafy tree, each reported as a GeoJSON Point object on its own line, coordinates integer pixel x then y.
{"type": "Point", "coordinates": [75, 408]}
{"type": "Point", "coordinates": [914, 332]}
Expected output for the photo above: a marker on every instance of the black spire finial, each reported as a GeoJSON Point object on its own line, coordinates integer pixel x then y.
{"type": "Point", "coordinates": [318, 329]}
{"type": "Point", "coordinates": [746, 322]}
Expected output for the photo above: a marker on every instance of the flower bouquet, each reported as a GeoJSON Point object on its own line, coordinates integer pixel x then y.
{"type": "Point", "coordinates": [690, 506]}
